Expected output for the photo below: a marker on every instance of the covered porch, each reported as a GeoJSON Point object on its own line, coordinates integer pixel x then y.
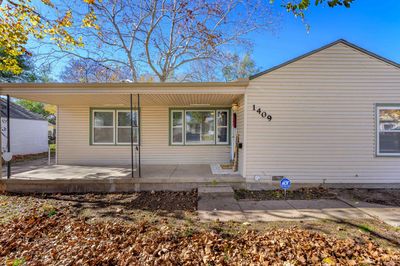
{"type": "Point", "coordinates": [152, 158]}
{"type": "Point", "coordinates": [167, 173]}
{"type": "Point", "coordinates": [86, 179]}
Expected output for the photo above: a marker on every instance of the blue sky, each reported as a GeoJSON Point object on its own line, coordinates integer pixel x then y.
{"type": "Point", "coordinates": [373, 25]}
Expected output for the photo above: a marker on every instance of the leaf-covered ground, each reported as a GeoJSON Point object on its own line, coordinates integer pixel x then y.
{"type": "Point", "coordinates": [116, 229]}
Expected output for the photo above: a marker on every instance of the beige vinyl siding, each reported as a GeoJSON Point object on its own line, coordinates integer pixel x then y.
{"type": "Point", "coordinates": [240, 131]}
{"type": "Point", "coordinates": [323, 126]}
{"type": "Point", "coordinates": [73, 142]}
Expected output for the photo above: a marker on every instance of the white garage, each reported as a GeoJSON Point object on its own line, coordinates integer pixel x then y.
{"type": "Point", "coordinates": [28, 131]}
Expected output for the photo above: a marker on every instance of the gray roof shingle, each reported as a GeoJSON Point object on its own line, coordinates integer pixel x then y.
{"type": "Point", "coordinates": [18, 112]}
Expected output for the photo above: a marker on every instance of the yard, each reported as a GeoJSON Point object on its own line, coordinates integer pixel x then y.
{"type": "Point", "coordinates": [150, 228]}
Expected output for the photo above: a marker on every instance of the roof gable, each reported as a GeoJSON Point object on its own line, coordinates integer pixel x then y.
{"type": "Point", "coordinates": [342, 41]}
{"type": "Point", "coordinates": [18, 112]}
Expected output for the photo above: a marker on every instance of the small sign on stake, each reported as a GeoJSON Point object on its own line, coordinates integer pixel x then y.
{"type": "Point", "coordinates": [285, 184]}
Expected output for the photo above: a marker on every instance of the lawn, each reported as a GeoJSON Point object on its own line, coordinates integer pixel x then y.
{"type": "Point", "coordinates": [162, 228]}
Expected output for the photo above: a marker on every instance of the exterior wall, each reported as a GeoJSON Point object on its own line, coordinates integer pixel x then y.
{"type": "Point", "coordinates": [240, 130]}
{"type": "Point", "coordinates": [27, 136]}
{"type": "Point", "coordinates": [74, 147]}
{"type": "Point", "coordinates": [323, 124]}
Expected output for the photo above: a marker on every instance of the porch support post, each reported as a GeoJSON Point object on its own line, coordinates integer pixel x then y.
{"type": "Point", "coordinates": [131, 99]}
{"type": "Point", "coordinates": [139, 135]}
{"type": "Point", "coordinates": [8, 136]}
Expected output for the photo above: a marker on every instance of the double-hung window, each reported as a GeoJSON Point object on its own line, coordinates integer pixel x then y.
{"type": "Point", "coordinates": [222, 127]}
{"type": "Point", "coordinates": [103, 127]}
{"type": "Point", "coordinates": [199, 127]}
{"type": "Point", "coordinates": [124, 127]}
{"type": "Point", "coordinates": [388, 130]}
{"type": "Point", "coordinates": [113, 127]}
{"type": "Point", "coordinates": [177, 127]}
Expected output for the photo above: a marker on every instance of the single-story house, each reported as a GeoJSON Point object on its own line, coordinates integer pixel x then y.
{"type": "Point", "coordinates": [28, 130]}
{"type": "Point", "coordinates": [329, 116]}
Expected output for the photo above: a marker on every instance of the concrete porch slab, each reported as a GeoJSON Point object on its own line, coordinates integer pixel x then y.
{"type": "Point", "coordinates": [73, 178]}
{"type": "Point", "coordinates": [67, 172]}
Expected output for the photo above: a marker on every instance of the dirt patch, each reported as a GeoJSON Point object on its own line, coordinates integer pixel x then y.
{"type": "Point", "coordinates": [279, 194]}
{"type": "Point", "coordinates": [389, 197]}
{"type": "Point", "coordinates": [127, 207]}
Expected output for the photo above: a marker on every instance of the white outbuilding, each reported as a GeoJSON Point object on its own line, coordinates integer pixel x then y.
{"type": "Point", "coordinates": [28, 131]}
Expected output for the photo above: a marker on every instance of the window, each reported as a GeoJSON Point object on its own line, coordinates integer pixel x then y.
{"type": "Point", "coordinates": [199, 127]}
{"type": "Point", "coordinates": [388, 130]}
{"type": "Point", "coordinates": [222, 127]}
{"type": "Point", "coordinates": [103, 127]}
{"type": "Point", "coordinates": [124, 127]}
{"type": "Point", "coordinates": [177, 127]}
{"type": "Point", "coordinates": [113, 127]}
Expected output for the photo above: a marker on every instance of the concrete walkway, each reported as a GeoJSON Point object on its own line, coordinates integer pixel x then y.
{"type": "Point", "coordinates": [225, 208]}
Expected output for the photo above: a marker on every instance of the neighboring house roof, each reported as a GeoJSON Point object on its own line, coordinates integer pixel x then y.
{"type": "Point", "coordinates": [342, 41]}
{"type": "Point", "coordinates": [18, 112]}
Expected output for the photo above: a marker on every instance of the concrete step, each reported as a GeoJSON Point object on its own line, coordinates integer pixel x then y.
{"type": "Point", "coordinates": [226, 191]}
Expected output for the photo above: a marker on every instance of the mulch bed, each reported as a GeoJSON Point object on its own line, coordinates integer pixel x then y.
{"type": "Point", "coordinates": [389, 197]}
{"type": "Point", "coordinates": [144, 200]}
{"type": "Point", "coordinates": [57, 238]}
{"type": "Point", "coordinates": [278, 194]}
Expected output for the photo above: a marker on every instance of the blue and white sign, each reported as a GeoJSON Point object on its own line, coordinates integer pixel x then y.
{"type": "Point", "coordinates": [285, 183]}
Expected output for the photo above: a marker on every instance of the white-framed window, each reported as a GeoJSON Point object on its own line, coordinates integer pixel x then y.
{"type": "Point", "coordinates": [124, 127]}
{"type": "Point", "coordinates": [113, 127]}
{"type": "Point", "coordinates": [177, 127]}
{"type": "Point", "coordinates": [388, 130]}
{"type": "Point", "coordinates": [103, 123]}
{"type": "Point", "coordinates": [199, 126]}
{"type": "Point", "coordinates": [222, 126]}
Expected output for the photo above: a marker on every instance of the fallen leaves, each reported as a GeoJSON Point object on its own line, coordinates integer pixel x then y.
{"type": "Point", "coordinates": [61, 239]}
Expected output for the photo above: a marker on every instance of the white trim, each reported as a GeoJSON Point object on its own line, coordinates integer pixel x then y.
{"type": "Point", "coordinates": [94, 126]}
{"type": "Point", "coordinates": [378, 108]}
{"type": "Point", "coordinates": [57, 124]}
{"type": "Point", "coordinates": [135, 128]}
{"type": "Point", "coordinates": [244, 137]}
{"type": "Point", "coordinates": [217, 127]}
{"type": "Point", "coordinates": [181, 127]}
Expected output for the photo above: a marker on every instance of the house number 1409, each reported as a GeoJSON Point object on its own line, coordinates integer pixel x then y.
{"type": "Point", "coordinates": [262, 113]}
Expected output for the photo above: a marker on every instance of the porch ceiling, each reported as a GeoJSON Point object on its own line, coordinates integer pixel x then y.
{"type": "Point", "coordinates": [123, 100]}
{"type": "Point", "coordinates": [118, 94]}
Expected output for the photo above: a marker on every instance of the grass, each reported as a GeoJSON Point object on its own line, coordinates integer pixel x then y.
{"type": "Point", "coordinates": [18, 262]}
{"type": "Point", "coordinates": [52, 148]}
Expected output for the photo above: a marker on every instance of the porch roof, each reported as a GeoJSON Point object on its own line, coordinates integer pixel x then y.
{"type": "Point", "coordinates": [117, 94]}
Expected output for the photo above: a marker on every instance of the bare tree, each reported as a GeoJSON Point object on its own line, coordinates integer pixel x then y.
{"type": "Point", "coordinates": [81, 70]}
{"type": "Point", "coordinates": [163, 37]}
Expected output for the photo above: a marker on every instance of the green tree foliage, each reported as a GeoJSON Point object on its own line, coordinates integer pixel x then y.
{"type": "Point", "coordinates": [47, 111]}
{"type": "Point", "coordinates": [298, 7]}
{"type": "Point", "coordinates": [239, 67]}
{"type": "Point", "coordinates": [28, 73]}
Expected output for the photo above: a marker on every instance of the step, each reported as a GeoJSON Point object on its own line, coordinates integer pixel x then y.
{"type": "Point", "coordinates": [216, 191]}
